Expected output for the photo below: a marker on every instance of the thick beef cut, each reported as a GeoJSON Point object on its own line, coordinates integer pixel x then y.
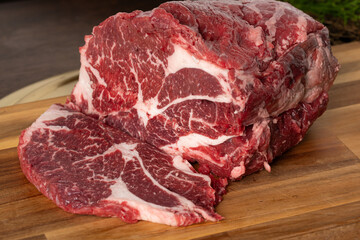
{"type": "Point", "coordinates": [87, 167]}
{"type": "Point", "coordinates": [230, 84]}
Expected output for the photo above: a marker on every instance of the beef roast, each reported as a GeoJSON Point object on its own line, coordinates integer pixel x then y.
{"type": "Point", "coordinates": [209, 80]}
{"type": "Point", "coordinates": [87, 167]}
{"type": "Point", "coordinates": [227, 84]}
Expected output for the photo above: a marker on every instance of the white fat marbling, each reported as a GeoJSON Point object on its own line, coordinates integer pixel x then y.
{"type": "Point", "coordinates": [238, 171]}
{"type": "Point", "coordinates": [180, 59]}
{"type": "Point", "coordinates": [194, 140]}
{"type": "Point", "coordinates": [255, 35]}
{"type": "Point", "coordinates": [148, 211]}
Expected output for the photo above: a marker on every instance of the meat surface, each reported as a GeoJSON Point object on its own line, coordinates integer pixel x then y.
{"type": "Point", "coordinates": [229, 84]}
{"type": "Point", "coordinates": [87, 167]}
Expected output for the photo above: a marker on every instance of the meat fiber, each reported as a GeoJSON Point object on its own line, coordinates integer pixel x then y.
{"type": "Point", "coordinates": [229, 84]}
{"type": "Point", "coordinates": [87, 167]}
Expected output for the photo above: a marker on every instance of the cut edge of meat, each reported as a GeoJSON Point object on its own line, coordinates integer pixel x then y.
{"type": "Point", "coordinates": [129, 209]}
{"type": "Point", "coordinates": [189, 49]}
{"type": "Point", "coordinates": [275, 109]}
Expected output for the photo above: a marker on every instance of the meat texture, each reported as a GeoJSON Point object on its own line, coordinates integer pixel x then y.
{"type": "Point", "coordinates": [229, 84]}
{"type": "Point", "coordinates": [87, 167]}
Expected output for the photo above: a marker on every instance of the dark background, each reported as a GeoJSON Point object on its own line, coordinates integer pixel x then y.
{"type": "Point", "coordinates": [40, 39]}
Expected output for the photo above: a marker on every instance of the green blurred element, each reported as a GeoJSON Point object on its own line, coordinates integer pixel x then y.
{"type": "Point", "coordinates": [345, 10]}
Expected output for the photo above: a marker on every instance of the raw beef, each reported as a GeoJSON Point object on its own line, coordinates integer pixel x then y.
{"type": "Point", "coordinates": [229, 84]}
{"type": "Point", "coordinates": [87, 167]}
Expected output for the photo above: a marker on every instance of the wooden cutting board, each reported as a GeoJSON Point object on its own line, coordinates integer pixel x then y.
{"type": "Point", "coordinates": [313, 191]}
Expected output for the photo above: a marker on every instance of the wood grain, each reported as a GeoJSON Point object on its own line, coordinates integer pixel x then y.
{"type": "Point", "coordinates": [56, 86]}
{"type": "Point", "coordinates": [313, 191]}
